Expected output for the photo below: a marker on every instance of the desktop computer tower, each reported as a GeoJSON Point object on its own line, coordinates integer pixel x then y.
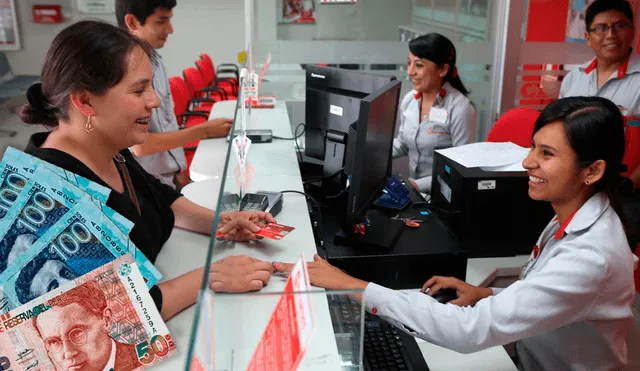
{"type": "Point", "coordinates": [490, 212]}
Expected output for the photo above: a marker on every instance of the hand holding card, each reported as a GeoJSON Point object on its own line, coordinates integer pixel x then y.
{"type": "Point", "coordinates": [274, 231]}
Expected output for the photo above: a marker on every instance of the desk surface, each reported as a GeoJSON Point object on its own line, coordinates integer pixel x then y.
{"type": "Point", "coordinates": [282, 172]}
{"type": "Point", "coordinates": [182, 243]}
{"type": "Point", "coordinates": [265, 158]}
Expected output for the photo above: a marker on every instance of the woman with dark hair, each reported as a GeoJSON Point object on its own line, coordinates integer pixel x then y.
{"type": "Point", "coordinates": [97, 97]}
{"type": "Point", "coordinates": [571, 308]}
{"type": "Point", "coordinates": [436, 113]}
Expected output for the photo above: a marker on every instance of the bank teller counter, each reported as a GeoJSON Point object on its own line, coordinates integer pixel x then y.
{"type": "Point", "coordinates": [230, 328]}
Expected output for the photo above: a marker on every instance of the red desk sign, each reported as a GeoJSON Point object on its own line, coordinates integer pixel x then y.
{"type": "Point", "coordinates": [286, 337]}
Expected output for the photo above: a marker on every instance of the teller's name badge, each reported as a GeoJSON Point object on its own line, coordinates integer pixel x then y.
{"type": "Point", "coordinates": [438, 115]}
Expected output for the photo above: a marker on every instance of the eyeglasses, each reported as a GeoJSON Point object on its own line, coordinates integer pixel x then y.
{"type": "Point", "coordinates": [55, 344]}
{"type": "Point", "coordinates": [602, 29]}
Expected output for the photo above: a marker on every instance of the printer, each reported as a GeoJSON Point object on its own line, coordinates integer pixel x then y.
{"type": "Point", "coordinates": [490, 211]}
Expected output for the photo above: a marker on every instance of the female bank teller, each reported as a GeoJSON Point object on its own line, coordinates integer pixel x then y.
{"type": "Point", "coordinates": [571, 308]}
{"type": "Point", "coordinates": [96, 97]}
{"type": "Point", "coordinates": [436, 113]}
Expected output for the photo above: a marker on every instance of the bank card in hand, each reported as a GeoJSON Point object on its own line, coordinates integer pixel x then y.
{"type": "Point", "coordinates": [274, 231]}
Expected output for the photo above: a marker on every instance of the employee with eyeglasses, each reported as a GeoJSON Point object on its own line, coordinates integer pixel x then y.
{"type": "Point", "coordinates": [615, 71]}
{"type": "Point", "coordinates": [614, 74]}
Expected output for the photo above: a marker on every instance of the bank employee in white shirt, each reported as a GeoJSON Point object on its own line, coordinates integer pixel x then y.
{"type": "Point", "coordinates": [614, 74]}
{"type": "Point", "coordinates": [571, 309]}
{"type": "Point", "coordinates": [436, 113]}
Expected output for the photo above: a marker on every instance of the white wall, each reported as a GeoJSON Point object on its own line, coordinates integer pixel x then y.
{"type": "Point", "coordinates": [212, 26]}
{"type": "Point", "coordinates": [215, 27]}
{"type": "Point", "coordinates": [365, 20]}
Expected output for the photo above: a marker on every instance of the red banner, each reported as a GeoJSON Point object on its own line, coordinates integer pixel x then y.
{"type": "Point", "coordinates": [560, 20]}
{"type": "Point", "coordinates": [547, 20]}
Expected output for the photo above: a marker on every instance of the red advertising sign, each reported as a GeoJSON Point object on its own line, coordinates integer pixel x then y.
{"type": "Point", "coordinates": [290, 328]}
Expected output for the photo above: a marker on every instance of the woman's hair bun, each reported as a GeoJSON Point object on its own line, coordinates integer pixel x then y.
{"type": "Point", "coordinates": [38, 110]}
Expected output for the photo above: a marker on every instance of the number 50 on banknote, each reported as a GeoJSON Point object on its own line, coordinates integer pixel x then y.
{"type": "Point", "coordinates": [101, 321]}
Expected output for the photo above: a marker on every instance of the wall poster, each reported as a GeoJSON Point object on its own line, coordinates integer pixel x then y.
{"type": "Point", "coordinates": [298, 11]}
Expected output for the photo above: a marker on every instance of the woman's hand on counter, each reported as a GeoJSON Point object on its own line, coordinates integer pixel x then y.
{"type": "Point", "coordinates": [242, 225]}
{"type": "Point", "coordinates": [239, 274]}
{"type": "Point", "coordinates": [325, 275]}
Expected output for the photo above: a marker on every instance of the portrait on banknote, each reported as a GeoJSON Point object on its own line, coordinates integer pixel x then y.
{"type": "Point", "coordinates": [104, 320]}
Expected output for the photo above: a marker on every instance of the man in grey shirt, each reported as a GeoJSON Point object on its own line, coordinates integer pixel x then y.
{"type": "Point", "coordinates": [162, 154]}
{"type": "Point", "coordinates": [614, 74]}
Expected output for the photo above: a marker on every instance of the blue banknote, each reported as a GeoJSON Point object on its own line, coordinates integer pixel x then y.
{"type": "Point", "coordinates": [39, 206]}
{"type": "Point", "coordinates": [83, 240]}
{"type": "Point", "coordinates": [13, 179]}
{"type": "Point", "coordinates": [28, 164]}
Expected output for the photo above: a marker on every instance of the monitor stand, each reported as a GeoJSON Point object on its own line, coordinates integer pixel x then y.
{"type": "Point", "coordinates": [382, 233]}
{"type": "Point", "coordinates": [333, 179]}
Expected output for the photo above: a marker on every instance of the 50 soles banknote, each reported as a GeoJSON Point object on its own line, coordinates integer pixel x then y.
{"type": "Point", "coordinates": [81, 325]}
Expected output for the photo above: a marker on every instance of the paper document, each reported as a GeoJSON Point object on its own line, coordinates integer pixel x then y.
{"type": "Point", "coordinates": [486, 154]}
{"type": "Point", "coordinates": [506, 168]}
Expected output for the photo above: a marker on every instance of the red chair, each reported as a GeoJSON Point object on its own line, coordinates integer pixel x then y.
{"type": "Point", "coordinates": [209, 76]}
{"type": "Point", "coordinates": [186, 114]}
{"type": "Point", "coordinates": [223, 69]}
{"type": "Point", "coordinates": [181, 103]}
{"type": "Point", "coordinates": [199, 89]}
{"type": "Point", "coordinates": [515, 126]}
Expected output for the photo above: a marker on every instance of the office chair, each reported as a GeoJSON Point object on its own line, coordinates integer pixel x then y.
{"type": "Point", "coordinates": [182, 101]}
{"type": "Point", "coordinates": [515, 126]}
{"type": "Point", "coordinates": [209, 76]}
{"type": "Point", "coordinates": [225, 70]}
{"type": "Point", "coordinates": [12, 85]}
{"type": "Point", "coordinates": [632, 144]}
{"type": "Point", "coordinates": [185, 108]}
{"type": "Point", "coordinates": [199, 89]}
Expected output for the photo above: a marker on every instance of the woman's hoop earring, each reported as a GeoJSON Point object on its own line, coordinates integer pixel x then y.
{"type": "Point", "coordinates": [87, 126]}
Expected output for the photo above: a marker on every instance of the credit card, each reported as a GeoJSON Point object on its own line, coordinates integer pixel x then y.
{"type": "Point", "coordinates": [274, 231]}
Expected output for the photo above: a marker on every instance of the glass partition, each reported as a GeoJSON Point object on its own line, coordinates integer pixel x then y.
{"type": "Point", "coordinates": [372, 35]}
{"type": "Point", "coordinates": [257, 331]}
{"type": "Point", "coordinates": [228, 328]}
{"type": "Point", "coordinates": [236, 331]}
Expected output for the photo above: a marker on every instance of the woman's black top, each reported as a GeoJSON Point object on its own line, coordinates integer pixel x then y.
{"type": "Point", "coordinates": [153, 227]}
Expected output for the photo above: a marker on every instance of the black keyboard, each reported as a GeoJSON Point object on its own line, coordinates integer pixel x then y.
{"type": "Point", "coordinates": [385, 347]}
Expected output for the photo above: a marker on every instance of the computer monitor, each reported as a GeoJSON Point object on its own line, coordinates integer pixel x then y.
{"type": "Point", "coordinates": [369, 150]}
{"type": "Point", "coordinates": [333, 98]}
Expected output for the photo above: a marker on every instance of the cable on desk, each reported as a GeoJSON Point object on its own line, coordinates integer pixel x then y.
{"type": "Point", "coordinates": [318, 219]}
{"type": "Point", "coordinates": [295, 133]}
{"type": "Point", "coordinates": [305, 181]}
{"type": "Point", "coordinates": [295, 138]}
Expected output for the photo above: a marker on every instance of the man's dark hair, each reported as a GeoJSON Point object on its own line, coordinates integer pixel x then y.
{"type": "Point", "coordinates": [141, 9]}
{"type": "Point", "coordinates": [601, 6]}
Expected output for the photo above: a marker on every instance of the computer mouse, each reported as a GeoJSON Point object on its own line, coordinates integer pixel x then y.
{"type": "Point", "coordinates": [445, 295]}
